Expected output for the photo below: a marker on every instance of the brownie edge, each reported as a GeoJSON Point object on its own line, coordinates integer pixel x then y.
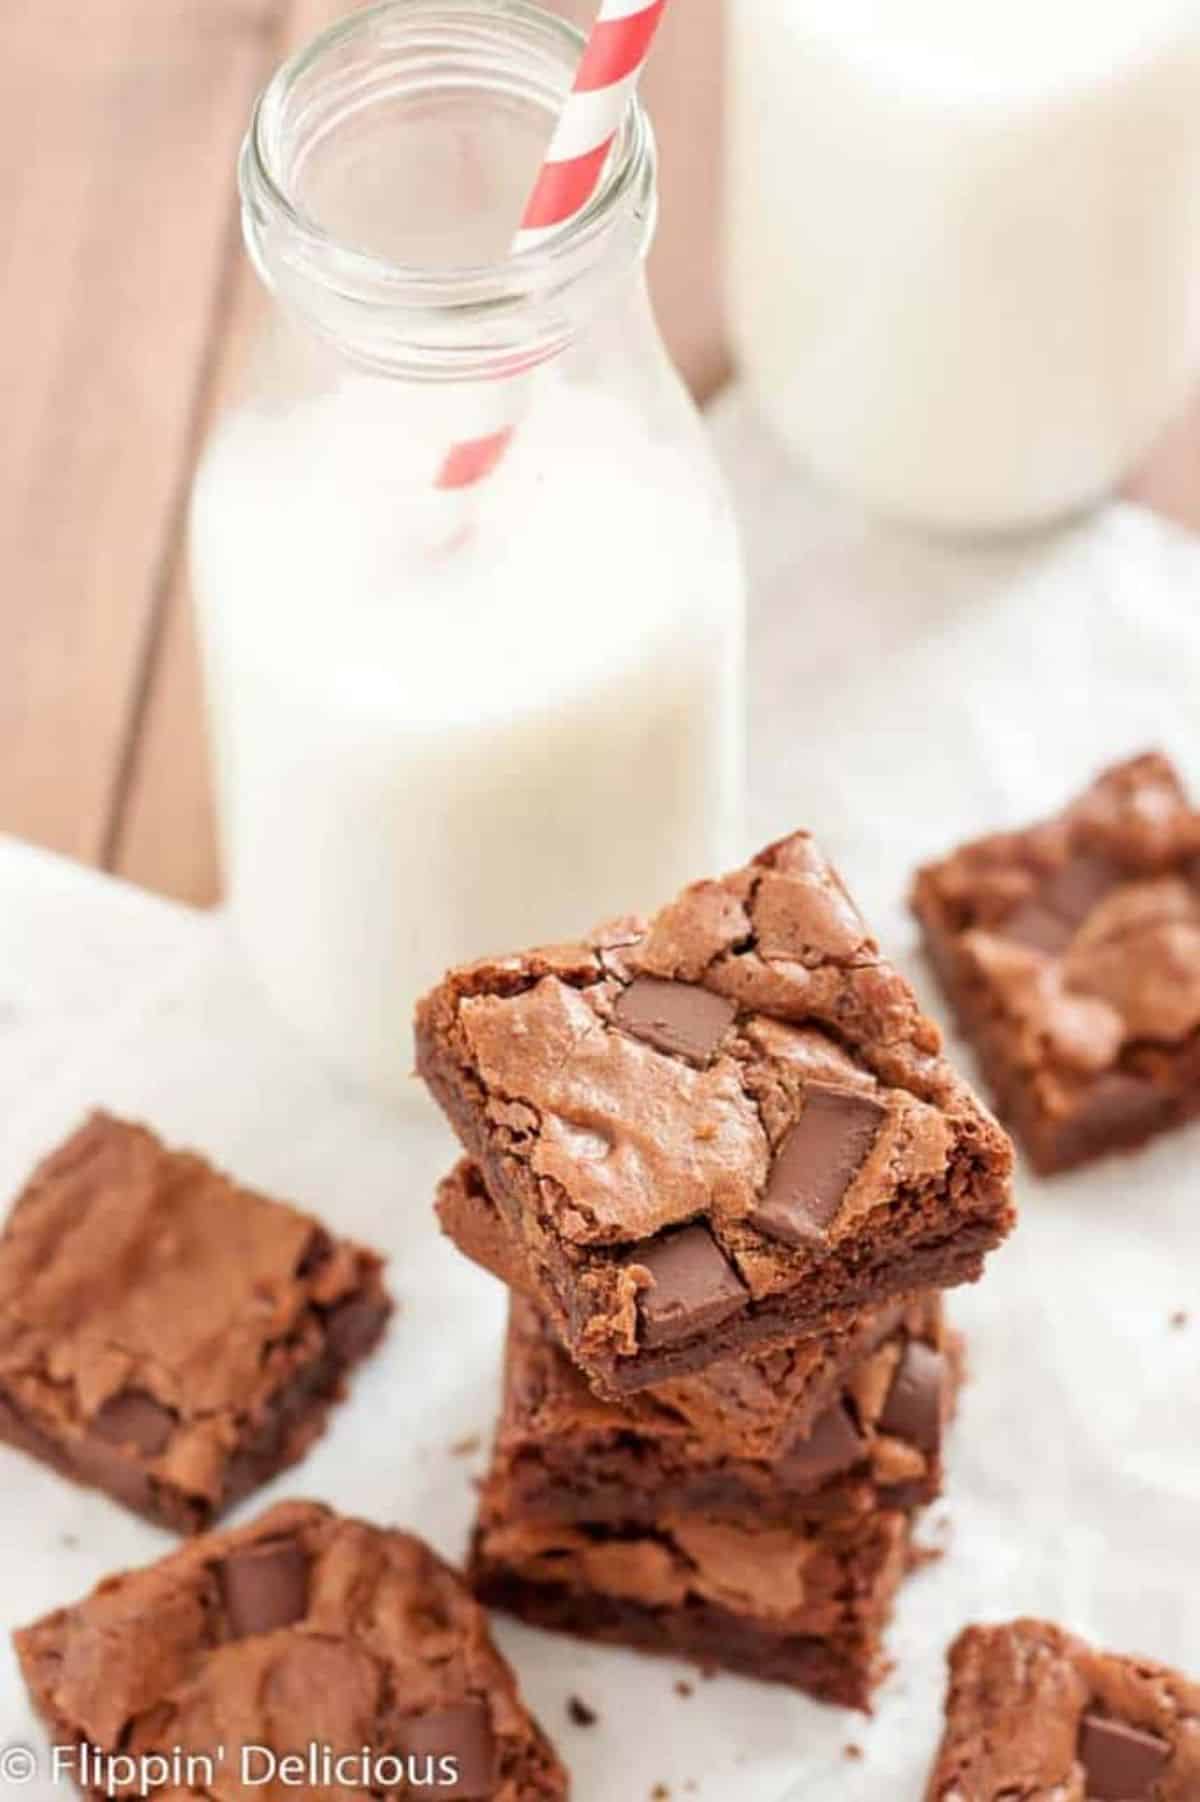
{"type": "Point", "coordinates": [562, 1454]}
{"type": "Point", "coordinates": [805, 1608]}
{"type": "Point", "coordinates": [755, 1406]}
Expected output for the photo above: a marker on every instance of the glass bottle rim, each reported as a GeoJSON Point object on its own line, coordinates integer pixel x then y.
{"type": "Point", "coordinates": [294, 251]}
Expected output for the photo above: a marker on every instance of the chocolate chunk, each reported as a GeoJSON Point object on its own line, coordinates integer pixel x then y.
{"type": "Point", "coordinates": [694, 1288]}
{"type": "Point", "coordinates": [1034, 925]}
{"type": "Point", "coordinates": [1117, 1105]}
{"type": "Point", "coordinates": [135, 1418]}
{"type": "Point", "coordinates": [1049, 920]}
{"type": "Point", "coordinates": [913, 1410]}
{"type": "Point", "coordinates": [460, 1736]}
{"type": "Point", "coordinates": [1122, 1763]}
{"type": "Point", "coordinates": [817, 1162]}
{"type": "Point", "coordinates": [834, 1444]}
{"type": "Point", "coordinates": [264, 1587]}
{"type": "Point", "coordinates": [1083, 881]}
{"type": "Point", "coordinates": [315, 1255]}
{"type": "Point", "coordinates": [127, 1479]}
{"type": "Point", "coordinates": [678, 1017]}
{"type": "Point", "coordinates": [353, 1326]}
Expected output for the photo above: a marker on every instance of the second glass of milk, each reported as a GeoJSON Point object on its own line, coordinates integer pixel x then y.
{"type": "Point", "coordinates": [964, 243]}
{"type": "Point", "coordinates": [451, 723]}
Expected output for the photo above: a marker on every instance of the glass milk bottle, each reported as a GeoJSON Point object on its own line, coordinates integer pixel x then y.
{"type": "Point", "coordinates": [964, 243]}
{"type": "Point", "coordinates": [450, 722]}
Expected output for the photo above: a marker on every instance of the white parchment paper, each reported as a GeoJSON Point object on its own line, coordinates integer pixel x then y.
{"type": "Point", "coordinates": [904, 696]}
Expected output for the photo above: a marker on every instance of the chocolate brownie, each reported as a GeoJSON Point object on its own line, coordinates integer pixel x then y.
{"type": "Point", "coordinates": [562, 1454]}
{"type": "Point", "coordinates": [1071, 955]}
{"type": "Point", "coordinates": [302, 1629]}
{"type": "Point", "coordinates": [1034, 1713]}
{"type": "Point", "coordinates": [729, 1127]}
{"type": "Point", "coordinates": [166, 1336]}
{"type": "Point", "coordinates": [755, 1406]}
{"type": "Point", "coordinates": [802, 1606]}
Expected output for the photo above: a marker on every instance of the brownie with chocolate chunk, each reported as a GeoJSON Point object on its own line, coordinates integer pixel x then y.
{"type": "Point", "coordinates": [165, 1335]}
{"type": "Point", "coordinates": [751, 1407]}
{"type": "Point", "coordinates": [563, 1454]}
{"type": "Point", "coordinates": [725, 1128]}
{"type": "Point", "coordinates": [805, 1606]}
{"type": "Point", "coordinates": [302, 1630]}
{"type": "Point", "coordinates": [1070, 952]}
{"type": "Point", "coordinates": [1033, 1712]}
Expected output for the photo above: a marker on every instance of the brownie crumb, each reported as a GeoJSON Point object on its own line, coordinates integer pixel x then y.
{"type": "Point", "coordinates": [660, 1793]}
{"type": "Point", "coordinates": [852, 1751]}
{"type": "Point", "coordinates": [1179, 1319]}
{"type": "Point", "coordinates": [580, 1713]}
{"type": "Point", "coordinates": [684, 1688]}
{"type": "Point", "coordinates": [466, 1448]}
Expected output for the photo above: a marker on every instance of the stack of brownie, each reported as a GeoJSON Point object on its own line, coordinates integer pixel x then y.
{"type": "Point", "coordinates": [722, 1166]}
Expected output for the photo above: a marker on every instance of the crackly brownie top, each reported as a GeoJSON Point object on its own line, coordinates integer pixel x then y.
{"type": "Point", "coordinates": [889, 1417]}
{"type": "Point", "coordinates": [1034, 1714]}
{"type": "Point", "coordinates": [1084, 929]}
{"type": "Point", "coordinates": [300, 1628]}
{"type": "Point", "coordinates": [748, 1059]}
{"type": "Point", "coordinates": [146, 1301]}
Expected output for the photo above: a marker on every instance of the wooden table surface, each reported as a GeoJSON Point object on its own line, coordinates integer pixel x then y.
{"type": "Point", "coordinates": [127, 298]}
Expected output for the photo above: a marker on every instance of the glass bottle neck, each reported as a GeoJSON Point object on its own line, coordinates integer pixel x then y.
{"type": "Point", "coordinates": [383, 175]}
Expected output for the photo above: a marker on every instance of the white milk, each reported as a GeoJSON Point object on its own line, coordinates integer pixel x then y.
{"type": "Point", "coordinates": [964, 242]}
{"type": "Point", "coordinates": [430, 754]}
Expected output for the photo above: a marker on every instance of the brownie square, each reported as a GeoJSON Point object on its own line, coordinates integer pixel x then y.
{"type": "Point", "coordinates": [728, 1127]}
{"type": "Point", "coordinates": [1034, 1713]}
{"type": "Point", "coordinates": [1070, 953]}
{"type": "Point", "coordinates": [301, 1630]}
{"type": "Point", "coordinates": [166, 1336]}
{"type": "Point", "coordinates": [803, 1606]}
{"type": "Point", "coordinates": [564, 1455]}
{"type": "Point", "coordinates": [751, 1407]}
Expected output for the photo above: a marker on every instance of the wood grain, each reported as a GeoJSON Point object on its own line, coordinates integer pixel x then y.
{"type": "Point", "coordinates": [164, 826]}
{"type": "Point", "coordinates": [115, 246]}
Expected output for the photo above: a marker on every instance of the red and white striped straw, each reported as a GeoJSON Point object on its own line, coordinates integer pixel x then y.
{"type": "Point", "coordinates": [612, 63]}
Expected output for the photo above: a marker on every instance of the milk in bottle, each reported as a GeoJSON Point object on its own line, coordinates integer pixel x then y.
{"type": "Point", "coordinates": [445, 724]}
